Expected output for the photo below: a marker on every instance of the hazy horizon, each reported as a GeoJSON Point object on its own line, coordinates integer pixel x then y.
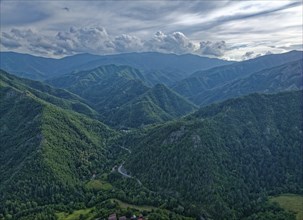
{"type": "Point", "coordinates": [230, 30]}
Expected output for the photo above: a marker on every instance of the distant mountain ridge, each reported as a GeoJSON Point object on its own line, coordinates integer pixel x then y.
{"type": "Point", "coordinates": [122, 98]}
{"type": "Point", "coordinates": [285, 77]}
{"type": "Point", "coordinates": [159, 67]}
{"type": "Point", "coordinates": [156, 67]}
{"type": "Point", "coordinates": [202, 81]}
{"type": "Point", "coordinates": [39, 68]}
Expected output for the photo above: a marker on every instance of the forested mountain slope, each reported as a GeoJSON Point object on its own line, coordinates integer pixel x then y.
{"type": "Point", "coordinates": [277, 79]}
{"type": "Point", "coordinates": [105, 87]}
{"type": "Point", "coordinates": [122, 98]}
{"type": "Point", "coordinates": [201, 81]}
{"type": "Point", "coordinates": [226, 158]}
{"type": "Point", "coordinates": [158, 104]}
{"type": "Point", "coordinates": [58, 97]}
{"type": "Point", "coordinates": [46, 151]}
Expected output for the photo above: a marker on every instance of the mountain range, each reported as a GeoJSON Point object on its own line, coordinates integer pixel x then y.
{"type": "Point", "coordinates": [201, 81]}
{"type": "Point", "coordinates": [167, 136]}
{"type": "Point", "coordinates": [276, 79]}
{"type": "Point", "coordinates": [120, 95]}
{"type": "Point", "coordinates": [59, 97]}
{"type": "Point", "coordinates": [156, 67]}
{"type": "Point", "coordinates": [46, 150]}
{"type": "Point", "coordinates": [223, 157]}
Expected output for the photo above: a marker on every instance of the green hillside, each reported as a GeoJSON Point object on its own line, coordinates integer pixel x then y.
{"type": "Point", "coordinates": [122, 99]}
{"type": "Point", "coordinates": [277, 79]}
{"type": "Point", "coordinates": [58, 97]}
{"type": "Point", "coordinates": [106, 87]}
{"type": "Point", "coordinates": [46, 151]}
{"type": "Point", "coordinates": [226, 158]}
{"type": "Point", "coordinates": [203, 81]}
{"type": "Point", "coordinates": [238, 157]}
{"type": "Point", "coordinates": [168, 100]}
{"type": "Point", "coordinates": [158, 104]}
{"type": "Point", "coordinates": [54, 160]}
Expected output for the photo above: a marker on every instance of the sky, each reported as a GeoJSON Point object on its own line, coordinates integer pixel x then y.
{"type": "Point", "coordinates": [232, 30]}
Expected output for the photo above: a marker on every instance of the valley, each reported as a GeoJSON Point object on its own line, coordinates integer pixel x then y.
{"type": "Point", "coordinates": [113, 136]}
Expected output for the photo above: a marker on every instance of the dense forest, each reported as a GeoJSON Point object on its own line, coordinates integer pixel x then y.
{"type": "Point", "coordinates": [132, 103]}
{"type": "Point", "coordinates": [225, 158]}
{"type": "Point", "coordinates": [199, 82]}
{"type": "Point", "coordinates": [103, 135]}
{"type": "Point", "coordinates": [54, 159]}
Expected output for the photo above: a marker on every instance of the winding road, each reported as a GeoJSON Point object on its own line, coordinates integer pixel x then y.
{"type": "Point", "coordinates": [123, 172]}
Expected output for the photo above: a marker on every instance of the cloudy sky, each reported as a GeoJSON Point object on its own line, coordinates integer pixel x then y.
{"type": "Point", "coordinates": [234, 30]}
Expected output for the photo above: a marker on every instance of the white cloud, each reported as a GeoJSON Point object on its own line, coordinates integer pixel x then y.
{"type": "Point", "coordinates": [176, 42]}
{"type": "Point", "coordinates": [251, 55]}
{"type": "Point", "coordinates": [208, 28]}
{"type": "Point", "coordinates": [97, 40]}
{"type": "Point", "coordinates": [127, 43]}
{"type": "Point", "coordinates": [88, 39]}
{"type": "Point", "coordinates": [213, 48]}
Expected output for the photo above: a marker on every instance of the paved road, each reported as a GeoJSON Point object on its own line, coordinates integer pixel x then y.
{"type": "Point", "coordinates": [122, 171]}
